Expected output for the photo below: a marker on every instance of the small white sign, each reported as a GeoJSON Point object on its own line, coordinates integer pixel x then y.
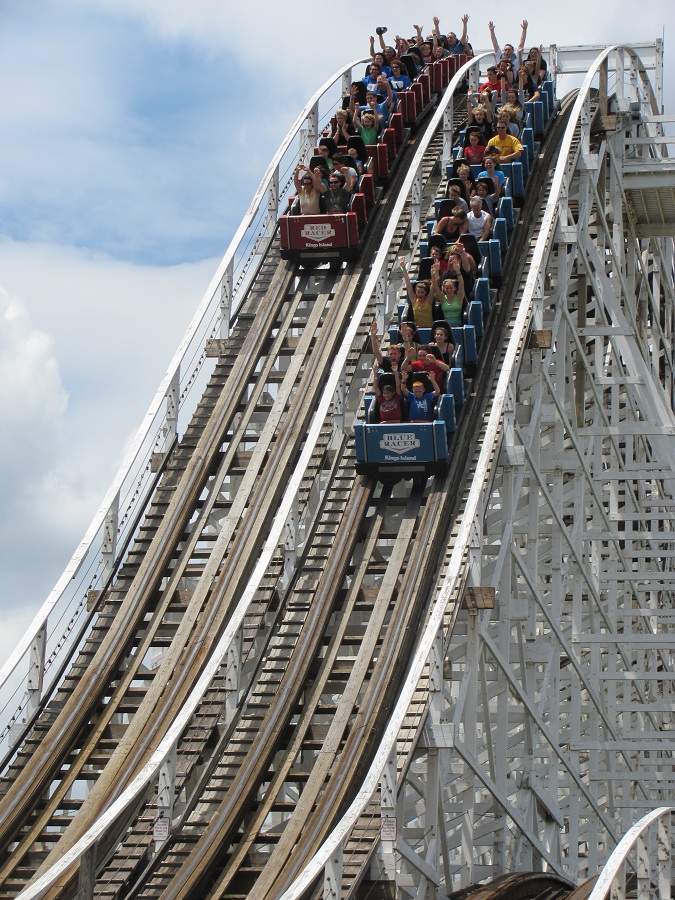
{"type": "Point", "coordinates": [318, 231]}
{"type": "Point", "coordinates": [388, 828]}
{"type": "Point", "coordinates": [399, 442]}
{"type": "Point", "coordinates": [161, 829]}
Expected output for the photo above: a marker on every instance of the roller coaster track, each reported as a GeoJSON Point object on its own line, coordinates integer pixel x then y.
{"type": "Point", "coordinates": [264, 770]}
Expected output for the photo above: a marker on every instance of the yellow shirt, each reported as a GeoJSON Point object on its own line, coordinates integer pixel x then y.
{"type": "Point", "coordinates": [507, 145]}
{"type": "Point", "coordinates": [423, 312]}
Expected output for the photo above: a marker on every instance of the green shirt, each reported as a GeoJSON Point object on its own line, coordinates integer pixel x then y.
{"type": "Point", "coordinates": [369, 135]}
{"type": "Point", "coordinates": [452, 310]}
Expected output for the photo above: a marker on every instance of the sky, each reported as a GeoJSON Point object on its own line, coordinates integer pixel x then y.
{"type": "Point", "coordinates": [134, 134]}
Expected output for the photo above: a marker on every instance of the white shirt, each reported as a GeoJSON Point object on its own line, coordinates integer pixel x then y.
{"type": "Point", "coordinates": [477, 224]}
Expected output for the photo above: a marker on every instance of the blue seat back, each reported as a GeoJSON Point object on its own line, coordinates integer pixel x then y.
{"type": "Point", "coordinates": [482, 294]}
{"type": "Point", "coordinates": [470, 344]}
{"type": "Point", "coordinates": [500, 232]}
{"type": "Point", "coordinates": [456, 385]}
{"type": "Point", "coordinates": [505, 211]}
{"type": "Point", "coordinates": [527, 140]}
{"type": "Point", "coordinates": [538, 120]}
{"type": "Point", "coordinates": [476, 319]}
{"type": "Point", "coordinates": [445, 411]}
{"type": "Point", "coordinates": [495, 255]}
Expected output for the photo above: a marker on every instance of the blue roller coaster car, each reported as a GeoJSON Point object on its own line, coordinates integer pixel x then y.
{"type": "Point", "coordinates": [410, 449]}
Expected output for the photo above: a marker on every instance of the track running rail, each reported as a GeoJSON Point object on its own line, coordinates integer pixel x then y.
{"type": "Point", "coordinates": [374, 282]}
{"type": "Point", "coordinates": [534, 291]}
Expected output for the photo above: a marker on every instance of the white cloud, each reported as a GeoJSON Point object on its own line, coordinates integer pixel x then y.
{"type": "Point", "coordinates": [32, 399]}
{"type": "Point", "coordinates": [104, 332]}
{"type": "Point", "coordinates": [291, 38]}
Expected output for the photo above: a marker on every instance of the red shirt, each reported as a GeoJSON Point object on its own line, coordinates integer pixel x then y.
{"type": "Point", "coordinates": [433, 369]}
{"type": "Point", "coordinates": [474, 155]}
{"type": "Point", "coordinates": [390, 410]}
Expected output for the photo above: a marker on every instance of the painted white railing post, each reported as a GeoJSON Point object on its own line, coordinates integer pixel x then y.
{"type": "Point", "coordinates": [658, 76]}
{"type": "Point", "coordinates": [109, 545]}
{"type": "Point", "coordinates": [339, 400]}
{"type": "Point", "coordinates": [233, 676]}
{"type": "Point", "coordinates": [169, 429]}
{"type": "Point", "coordinates": [166, 789]}
{"type": "Point", "coordinates": [448, 130]}
{"type": "Point", "coordinates": [272, 204]}
{"type": "Point", "coordinates": [226, 293]}
{"type": "Point", "coordinates": [381, 289]}
{"type": "Point", "coordinates": [332, 876]}
{"type": "Point", "coordinates": [389, 825]}
{"type": "Point", "coordinates": [643, 868]}
{"type": "Point", "coordinates": [36, 670]}
{"type": "Point", "coordinates": [664, 859]}
{"type": "Point", "coordinates": [437, 677]}
{"type": "Point", "coordinates": [172, 403]}
{"type": "Point", "coordinates": [311, 508]}
{"type": "Point", "coordinates": [34, 683]}
{"type": "Point", "coordinates": [554, 66]}
{"type": "Point", "coordinates": [346, 82]}
{"type": "Point", "coordinates": [269, 224]}
{"type": "Point", "coordinates": [309, 134]}
{"type": "Point", "coordinates": [290, 543]}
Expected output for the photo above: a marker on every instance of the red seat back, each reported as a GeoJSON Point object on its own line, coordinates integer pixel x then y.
{"type": "Point", "coordinates": [437, 76]}
{"type": "Point", "coordinates": [407, 103]}
{"type": "Point", "coordinates": [418, 90]}
{"type": "Point", "coordinates": [396, 123]}
{"type": "Point", "coordinates": [367, 188]}
{"type": "Point", "coordinates": [389, 141]}
{"type": "Point", "coordinates": [358, 206]}
{"type": "Point", "coordinates": [425, 80]}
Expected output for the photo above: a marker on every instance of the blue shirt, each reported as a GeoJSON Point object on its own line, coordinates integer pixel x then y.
{"type": "Point", "coordinates": [400, 82]}
{"type": "Point", "coordinates": [421, 407]}
{"type": "Point", "coordinates": [382, 109]}
{"type": "Point", "coordinates": [501, 177]}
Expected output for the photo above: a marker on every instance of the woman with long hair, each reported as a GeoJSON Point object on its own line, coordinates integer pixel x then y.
{"type": "Point", "coordinates": [310, 187]}
{"type": "Point", "coordinates": [448, 293]}
{"type": "Point", "coordinates": [421, 309]}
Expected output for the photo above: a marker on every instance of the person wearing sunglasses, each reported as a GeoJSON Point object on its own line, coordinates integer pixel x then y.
{"type": "Point", "coordinates": [399, 77]}
{"type": "Point", "coordinates": [309, 186]}
{"type": "Point", "coordinates": [338, 194]}
{"type": "Point", "coordinates": [510, 148]}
